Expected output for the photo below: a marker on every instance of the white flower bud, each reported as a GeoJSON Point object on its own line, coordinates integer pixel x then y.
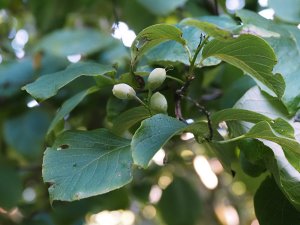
{"type": "Point", "coordinates": [123, 91]}
{"type": "Point", "coordinates": [158, 103]}
{"type": "Point", "coordinates": [156, 78]}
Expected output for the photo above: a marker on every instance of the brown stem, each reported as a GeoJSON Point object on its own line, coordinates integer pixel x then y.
{"type": "Point", "coordinates": [203, 110]}
{"type": "Point", "coordinates": [178, 96]}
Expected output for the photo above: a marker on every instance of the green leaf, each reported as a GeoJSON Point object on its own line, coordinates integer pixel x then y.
{"type": "Point", "coordinates": [259, 102]}
{"type": "Point", "coordinates": [18, 73]}
{"type": "Point", "coordinates": [172, 51]}
{"type": "Point", "coordinates": [11, 185]}
{"type": "Point", "coordinates": [224, 21]}
{"type": "Point", "coordinates": [253, 169]}
{"type": "Point", "coordinates": [68, 106]}
{"type": "Point", "coordinates": [25, 133]}
{"type": "Point", "coordinates": [74, 41]}
{"type": "Point", "coordinates": [161, 8]}
{"type": "Point", "coordinates": [272, 207]}
{"type": "Point", "coordinates": [286, 44]}
{"type": "Point", "coordinates": [252, 55]}
{"type": "Point", "coordinates": [235, 90]}
{"type": "Point", "coordinates": [152, 135]}
{"type": "Point", "coordinates": [237, 114]}
{"type": "Point", "coordinates": [185, 203]}
{"type": "Point", "coordinates": [288, 10]}
{"type": "Point", "coordinates": [115, 107]}
{"type": "Point", "coordinates": [288, 54]}
{"type": "Point", "coordinates": [14, 75]}
{"type": "Point", "coordinates": [286, 175]}
{"type": "Point", "coordinates": [81, 164]}
{"type": "Point", "coordinates": [209, 28]}
{"type": "Point", "coordinates": [152, 36]}
{"type": "Point", "coordinates": [200, 130]}
{"type": "Point", "coordinates": [128, 118]}
{"type": "Point", "coordinates": [49, 15]}
{"type": "Point", "coordinates": [265, 130]}
{"type": "Point", "coordinates": [48, 85]}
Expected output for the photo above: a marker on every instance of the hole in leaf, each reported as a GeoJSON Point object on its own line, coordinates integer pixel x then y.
{"type": "Point", "coordinates": [64, 146]}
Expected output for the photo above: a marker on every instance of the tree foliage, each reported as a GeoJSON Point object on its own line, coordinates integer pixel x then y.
{"type": "Point", "coordinates": [222, 106]}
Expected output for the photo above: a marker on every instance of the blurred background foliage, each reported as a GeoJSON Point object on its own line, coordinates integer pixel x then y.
{"type": "Point", "coordinates": [42, 37]}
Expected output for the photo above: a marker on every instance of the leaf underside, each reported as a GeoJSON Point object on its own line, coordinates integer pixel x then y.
{"type": "Point", "coordinates": [81, 164]}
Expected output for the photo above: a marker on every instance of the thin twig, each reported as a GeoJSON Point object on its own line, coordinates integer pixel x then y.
{"type": "Point", "coordinates": [178, 95]}
{"type": "Point", "coordinates": [115, 12]}
{"type": "Point", "coordinates": [203, 110]}
{"type": "Point", "coordinates": [181, 91]}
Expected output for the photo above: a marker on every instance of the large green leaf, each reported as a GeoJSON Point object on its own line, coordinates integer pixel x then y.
{"type": "Point", "coordinates": [68, 106]}
{"type": "Point", "coordinates": [128, 118]}
{"type": "Point", "coordinates": [152, 135]}
{"type": "Point", "coordinates": [152, 36]}
{"type": "Point", "coordinates": [185, 203]}
{"type": "Point", "coordinates": [209, 28]}
{"type": "Point", "coordinates": [289, 10]}
{"type": "Point", "coordinates": [159, 7]}
{"type": "Point", "coordinates": [74, 41]}
{"type": "Point", "coordinates": [25, 133]}
{"type": "Point", "coordinates": [48, 85]}
{"type": "Point", "coordinates": [81, 164]}
{"type": "Point", "coordinates": [251, 54]}
{"type": "Point", "coordinates": [272, 207]}
{"type": "Point", "coordinates": [286, 43]}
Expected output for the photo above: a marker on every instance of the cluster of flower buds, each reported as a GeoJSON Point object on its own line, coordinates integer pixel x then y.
{"type": "Point", "coordinates": [158, 102]}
